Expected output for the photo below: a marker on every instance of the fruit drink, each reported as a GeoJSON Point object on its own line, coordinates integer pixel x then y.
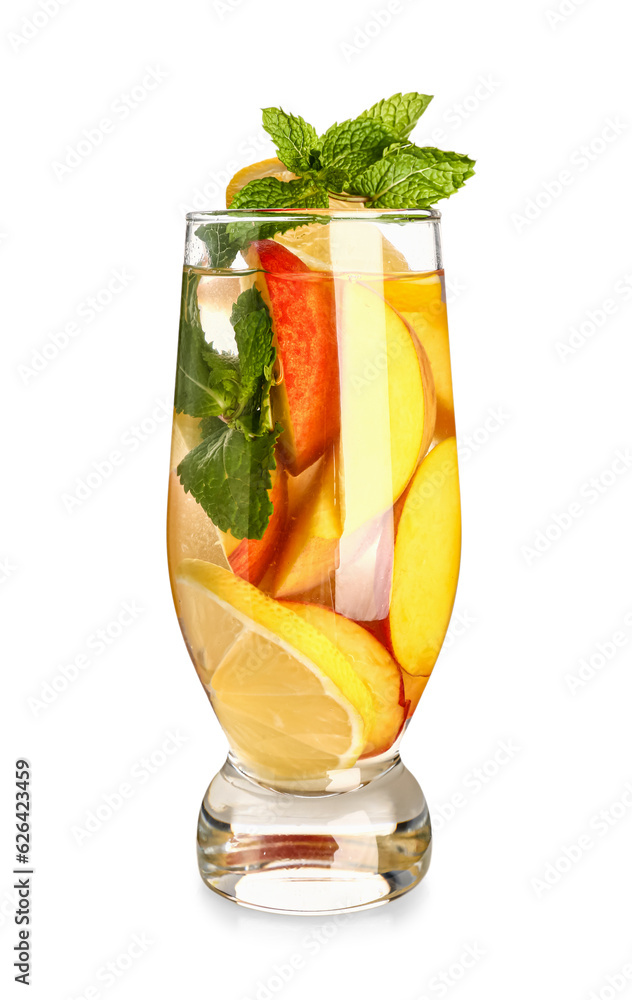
{"type": "Point", "coordinates": [313, 513]}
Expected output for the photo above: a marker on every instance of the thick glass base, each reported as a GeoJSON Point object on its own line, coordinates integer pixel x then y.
{"type": "Point", "coordinates": [315, 852]}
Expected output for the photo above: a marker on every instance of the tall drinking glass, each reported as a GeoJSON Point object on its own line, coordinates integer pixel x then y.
{"type": "Point", "coordinates": [314, 541]}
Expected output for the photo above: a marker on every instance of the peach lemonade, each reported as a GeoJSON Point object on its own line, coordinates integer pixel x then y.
{"type": "Point", "coordinates": [313, 513]}
{"type": "Point", "coordinates": [314, 621]}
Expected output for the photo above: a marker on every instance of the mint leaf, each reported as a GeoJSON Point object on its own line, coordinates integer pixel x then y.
{"type": "Point", "coordinates": [222, 248]}
{"type": "Point", "coordinates": [229, 476]}
{"type": "Point", "coordinates": [192, 375]}
{"type": "Point", "coordinates": [223, 382]}
{"type": "Point", "coordinates": [399, 113]}
{"type": "Point", "coordinates": [270, 192]}
{"type": "Point", "coordinates": [295, 140]}
{"type": "Point", "coordinates": [413, 178]}
{"type": "Point", "coordinates": [351, 146]}
{"type": "Point", "coordinates": [229, 472]}
{"type": "Point", "coordinates": [251, 322]}
{"type": "Point", "coordinates": [210, 383]}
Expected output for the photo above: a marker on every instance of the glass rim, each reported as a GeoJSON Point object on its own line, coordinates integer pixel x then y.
{"type": "Point", "coordinates": [226, 215]}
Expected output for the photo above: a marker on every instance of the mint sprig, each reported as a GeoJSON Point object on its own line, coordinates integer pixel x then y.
{"type": "Point", "coordinates": [367, 159]}
{"type": "Point", "coordinates": [358, 159]}
{"type": "Point", "coordinates": [229, 472]}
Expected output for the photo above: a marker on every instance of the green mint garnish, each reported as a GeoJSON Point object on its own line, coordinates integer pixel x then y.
{"type": "Point", "coordinates": [350, 147]}
{"type": "Point", "coordinates": [413, 176]}
{"type": "Point", "coordinates": [229, 472]}
{"type": "Point", "coordinates": [229, 475]}
{"type": "Point", "coordinates": [196, 392]}
{"type": "Point", "coordinates": [270, 192]}
{"type": "Point", "coordinates": [296, 141]}
{"type": "Point", "coordinates": [222, 247]}
{"type": "Point", "coordinates": [359, 159]}
{"type": "Point", "coordinates": [250, 320]}
{"type": "Point", "coordinates": [368, 158]}
{"type": "Point", "coordinates": [399, 113]}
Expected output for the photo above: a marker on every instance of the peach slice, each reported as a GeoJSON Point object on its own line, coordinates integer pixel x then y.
{"type": "Point", "coordinates": [309, 556]}
{"type": "Point", "coordinates": [387, 403]}
{"type": "Point", "coordinates": [414, 687]}
{"type": "Point", "coordinates": [419, 301]}
{"type": "Point", "coordinates": [426, 561]}
{"type": "Point", "coordinates": [307, 400]}
{"type": "Point", "coordinates": [252, 557]}
{"type": "Point", "coordinates": [373, 664]}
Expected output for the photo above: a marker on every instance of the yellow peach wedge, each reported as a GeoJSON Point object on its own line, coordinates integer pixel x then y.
{"type": "Point", "coordinates": [426, 561]}
{"type": "Point", "coordinates": [419, 301]}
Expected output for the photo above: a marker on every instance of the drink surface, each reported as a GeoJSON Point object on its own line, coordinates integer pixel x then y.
{"type": "Point", "coordinates": [314, 631]}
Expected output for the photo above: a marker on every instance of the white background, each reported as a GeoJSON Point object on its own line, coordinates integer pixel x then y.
{"type": "Point", "coordinates": [521, 90]}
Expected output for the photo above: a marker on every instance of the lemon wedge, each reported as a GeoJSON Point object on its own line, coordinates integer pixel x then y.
{"type": "Point", "coordinates": [290, 703]}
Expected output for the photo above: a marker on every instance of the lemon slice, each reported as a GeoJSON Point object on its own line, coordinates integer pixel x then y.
{"type": "Point", "coordinates": [265, 168]}
{"type": "Point", "coordinates": [344, 250]}
{"type": "Point", "coordinates": [290, 703]}
{"type": "Point", "coordinates": [372, 662]}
